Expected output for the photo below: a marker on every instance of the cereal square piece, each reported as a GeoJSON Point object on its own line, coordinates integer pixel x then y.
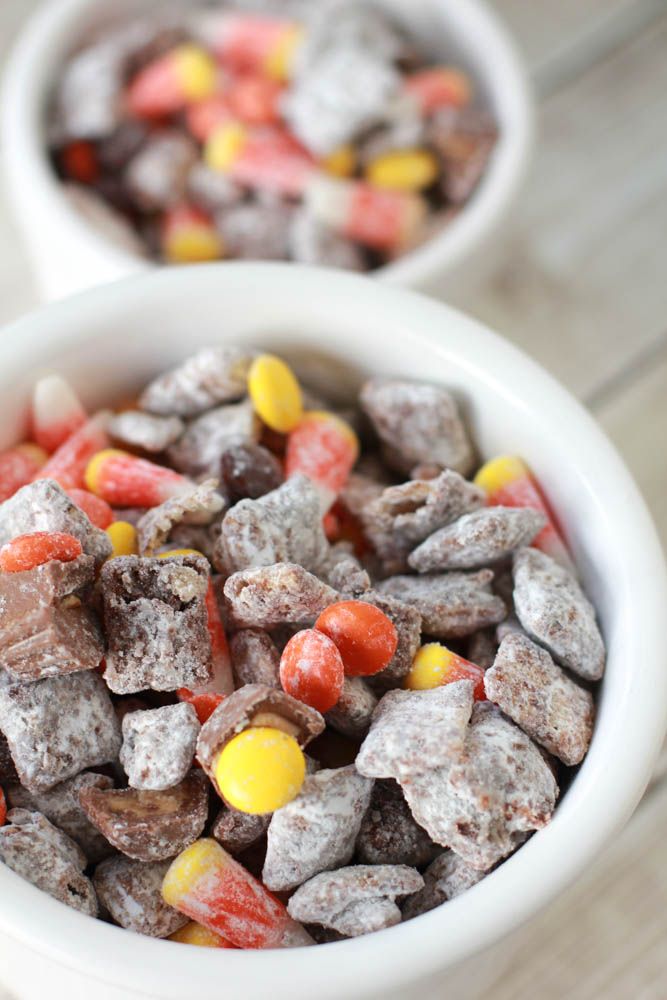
{"type": "Point", "coordinates": [255, 230]}
{"type": "Point", "coordinates": [157, 174]}
{"type": "Point", "coordinates": [445, 878]}
{"type": "Point", "coordinates": [237, 831]}
{"type": "Point", "coordinates": [389, 834]}
{"type": "Point", "coordinates": [344, 572]}
{"type": "Point", "coordinates": [45, 630]}
{"type": "Point", "coordinates": [477, 539]}
{"type": "Point", "coordinates": [452, 605]}
{"type": "Point", "coordinates": [352, 713]}
{"type": "Point", "coordinates": [312, 242]}
{"type": "Point", "coordinates": [417, 423]}
{"type": "Point", "coordinates": [199, 451]}
{"type": "Point", "coordinates": [61, 806]}
{"type": "Point", "coordinates": [135, 429]}
{"type": "Point", "coordinates": [539, 696]}
{"type": "Point", "coordinates": [416, 731]}
{"type": "Point", "coordinates": [407, 621]}
{"type": "Point", "coordinates": [45, 856]}
{"type": "Point", "coordinates": [212, 376]}
{"type": "Point", "coordinates": [281, 527]}
{"type": "Point", "coordinates": [149, 825]}
{"type": "Point", "coordinates": [44, 506]}
{"type": "Point", "coordinates": [131, 891]}
{"type": "Point", "coordinates": [255, 658]}
{"type": "Point", "coordinates": [156, 623]}
{"type": "Point", "coordinates": [464, 139]}
{"type": "Point", "coordinates": [58, 726]}
{"type": "Point", "coordinates": [554, 611]}
{"type": "Point", "coordinates": [198, 506]}
{"type": "Point", "coordinates": [159, 745]}
{"type": "Point", "coordinates": [284, 593]}
{"type": "Point", "coordinates": [316, 831]}
{"type": "Point", "coordinates": [484, 803]}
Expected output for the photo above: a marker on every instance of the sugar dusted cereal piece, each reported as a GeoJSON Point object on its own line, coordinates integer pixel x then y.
{"type": "Point", "coordinates": [345, 573]}
{"type": "Point", "coordinates": [255, 658]}
{"type": "Point", "coordinates": [131, 891]}
{"type": "Point", "coordinates": [497, 790]}
{"type": "Point", "coordinates": [281, 527]}
{"type": "Point", "coordinates": [199, 505]}
{"type": "Point", "coordinates": [58, 726]}
{"type": "Point", "coordinates": [452, 605]}
{"type": "Point", "coordinates": [249, 471]}
{"type": "Point", "coordinates": [256, 231]}
{"type": "Point", "coordinates": [388, 833]}
{"type": "Point", "coordinates": [312, 242]}
{"type": "Point", "coordinates": [276, 595]}
{"type": "Point", "coordinates": [355, 900]}
{"type": "Point", "coordinates": [149, 825]}
{"type": "Point", "coordinates": [408, 624]}
{"type": "Point", "coordinates": [317, 830]}
{"type": "Point", "coordinates": [352, 713]}
{"type": "Point", "coordinates": [48, 858]}
{"type": "Point", "coordinates": [61, 807]}
{"type": "Point", "coordinates": [44, 506]}
{"type": "Point", "coordinates": [135, 429]}
{"type": "Point", "coordinates": [539, 696]}
{"type": "Point", "coordinates": [159, 745]}
{"type": "Point", "coordinates": [209, 188]}
{"type": "Point", "coordinates": [237, 831]}
{"type": "Point", "coordinates": [156, 623]}
{"type": "Point", "coordinates": [413, 732]}
{"type": "Point", "coordinates": [445, 878]}
{"type": "Point", "coordinates": [554, 610]}
{"type": "Point", "coordinates": [157, 174]}
{"type": "Point", "coordinates": [212, 376]}
{"type": "Point", "coordinates": [200, 449]}
{"type": "Point", "coordinates": [477, 539]}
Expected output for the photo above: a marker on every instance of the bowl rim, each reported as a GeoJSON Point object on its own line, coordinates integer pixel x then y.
{"type": "Point", "coordinates": [27, 167]}
{"type": "Point", "coordinates": [549, 861]}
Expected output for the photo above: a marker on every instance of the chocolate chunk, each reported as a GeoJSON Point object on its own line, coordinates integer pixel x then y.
{"type": "Point", "coordinates": [555, 612]}
{"type": "Point", "coordinates": [57, 727]}
{"type": "Point", "coordinates": [200, 450]}
{"type": "Point", "coordinates": [159, 746]}
{"type": "Point", "coordinates": [148, 825]}
{"type": "Point", "coordinates": [539, 696]}
{"type": "Point", "coordinates": [131, 891]}
{"type": "Point", "coordinates": [212, 376]}
{"type": "Point", "coordinates": [255, 658]}
{"type": "Point", "coordinates": [316, 831]}
{"type": "Point", "coordinates": [281, 527]}
{"type": "Point", "coordinates": [284, 593]}
{"type": "Point", "coordinates": [417, 423]}
{"type": "Point", "coordinates": [146, 431]}
{"type": "Point", "coordinates": [45, 630]}
{"type": "Point", "coordinates": [45, 856]}
{"type": "Point", "coordinates": [445, 878]}
{"type": "Point", "coordinates": [198, 505]}
{"type": "Point", "coordinates": [407, 621]}
{"type": "Point", "coordinates": [477, 539]}
{"type": "Point", "coordinates": [249, 471]}
{"type": "Point", "coordinates": [352, 713]}
{"type": "Point", "coordinates": [237, 831]}
{"type": "Point", "coordinates": [452, 605]}
{"type": "Point", "coordinates": [156, 623]}
{"type": "Point", "coordinates": [61, 806]}
{"type": "Point", "coordinates": [388, 833]}
{"type": "Point", "coordinates": [44, 506]}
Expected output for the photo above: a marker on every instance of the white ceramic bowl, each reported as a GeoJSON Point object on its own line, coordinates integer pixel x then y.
{"type": "Point", "coordinates": [68, 254]}
{"type": "Point", "coordinates": [341, 328]}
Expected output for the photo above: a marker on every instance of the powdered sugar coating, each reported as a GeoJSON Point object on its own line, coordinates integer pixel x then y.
{"type": "Point", "coordinates": [284, 593]}
{"type": "Point", "coordinates": [45, 856]}
{"type": "Point", "coordinates": [477, 539]}
{"type": "Point", "coordinates": [311, 242]}
{"type": "Point", "coordinates": [237, 831]}
{"type": "Point", "coordinates": [255, 658]}
{"type": "Point", "coordinates": [256, 231]}
{"type": "Point", "coordinates": [445, 878]}
{"type": "Point", "coordinates": [159, 745]}
{"type": "Point", "coordinates": [352, 713]}
{"type": "Point", "coordinates": [198, 505]}
{"type": "Point", "coordinates": [539, 696]}
{"type": "Point", "coordinates": [452, 605]}
{"type": "Point", "coordinates": [131, 891]}
{"type": "Point", "coordinates": [317, 830]}
{"type": "Point", "coordinates": [151, 433]}
{"type": "Point", "coordinates": [211, 376]}
{"type": "Point", "coordinates": [389, 834]}
{"type": "Point", "coordinates": [344, 572]}
{"type": "Point", "coordinates": [407, 621]}
{"type": "Point", "coordinates": [199, 451]}
{"type": "Point", "coordinates": [555, 612]}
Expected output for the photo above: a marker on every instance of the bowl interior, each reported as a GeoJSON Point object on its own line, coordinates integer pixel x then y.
{"type": "Point", "coordinates": [338, 329]}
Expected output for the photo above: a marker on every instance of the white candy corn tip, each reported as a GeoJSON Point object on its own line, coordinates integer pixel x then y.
{"type": "Point", "coordinates": [54, 401]}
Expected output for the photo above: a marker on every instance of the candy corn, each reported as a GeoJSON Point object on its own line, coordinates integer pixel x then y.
{"type": "Point", "coordinates": [25, 552]}
{"type": "Point", "coordinates": [435, 665]}
{"type": "Point", "coordinates": [204, 116]}
{"type": "Point", "coordinates": [269, 159]}
{"type": "Point", "coordinates": [18, 467]}
{"type": "Point", "coordinates": [194, 933]}
{"type": "Point", "coordinates": [185, 74]}
{"type": "Point", "coordinates": [56, 412]}
{"type": "Point", "coordinates": [123, 537]}
{"type": "Point", "coordinates": [124, 480]}
{"type": "Point", "coordinates": [189, 236]}
{"type": "Point", "coordinates": [255, 99]}
{"type": "Point", "coordinates": [254, 43]}
{"type": "Point", "coordinates": [437, 87]}
{"type": "Point", "coordinates": [68, 463]}
{"type": "Point", "coordinates": [324, 448]}
{"type": "Point", "coordinates": [96, 509]}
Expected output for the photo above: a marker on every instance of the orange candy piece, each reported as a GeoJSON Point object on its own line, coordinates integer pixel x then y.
{"type": "Point", "coordinates": [68, 463]}
{"type": "Point", "coordinates": [324, 448]}
{"type": "Point", "coordinates": [204, 704]}
{"type": "Point", "coordinates": [18, 467]}
{"type": "Point", "coordinates": [439, 87]}
{"type": "Point", "coordinates": [365, 637]}
{"type": "Point", "coordinates": [124, 480]}
{"type": "Point", "coordinates": [95, 508]}
{"type": "Point", "coordinates": [79, 162]}
{"type": "Point", "coordinates": [203, 117]}
{"type": "Point", "coordinates": [255, 99]}
{"type": "Point", "coordinates": [166, 85]}
{"type": "Point", "coordinates": [311, 669]}
{"type": "Point", "coordinates": [28, 551]}
{"type": "Point", "coordinates": [189, 236]}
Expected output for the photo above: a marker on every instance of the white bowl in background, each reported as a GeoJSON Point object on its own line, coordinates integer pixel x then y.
{"type": "Point", "coordinates": [68, 254]}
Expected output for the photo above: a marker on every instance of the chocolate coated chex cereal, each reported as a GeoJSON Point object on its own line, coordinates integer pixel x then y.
{"type": "Point", "coordinates": [389, 834]}
{"type": "Point", "coordinates": [256, 231]}
{"type": "Point", "coordinates": [464, 139]}
{"type": "Point", "coordinates": [477, 539]}
{"type": "Point", "coordinates": [407, 621]}
{"type": "Point", "coordinates": [211, 189]}
{"type": "Point", "coordinates": [237, 831]}
{"type": "Point", "coordinates": [360, 490]}
{"type": "Point", "coordinates": [148, 825]}
{"type": "Point", "coordinates": [539, 696]}
{"type": "Point", "coordinates": [452, 605]}
{"type": "Point", "coordinates": [156, 623]}
{"type": "Point", "coordinates": [47, 857]}
{"type": "Point", "coordinates": [57, 727]}
{"type": "Point", "coordinates": [281, 527]}
{"type": "Point", "coordinates": [311, 242]}
{"type": "Point", "coordinates": [344, 572]}
{"type": "Point", "coordinates": [250, 471]}
{"type": "Point", "coordinates": [151, 433]}
{"type": "Point", "coordinates": [316, 831]}
{"type": "Point", "coordinates": [255, 658]}
{"type": "Point", "coordinates": [199, 451]}
{"type": "Point", "coordinates": [131, 891]}
{"type": "Point", "coordinates": [554, 611]}
{"type": "Point", "coordinates": [352, 713]}
{"type": "Point", "coordinates": [417, 423]}
{"type": "Point", "coordinates": [159, 745]}
{"type": "Point", "coordinates": [445, 878]}
{"type": "Point", "coordinates": [198, 506]}
{"type": "Point", "coordinates": [157, 174]}
{"type": "Point", "coordinates": [211, 376]}
{"type": "Point", "coordinates": [284, 593]}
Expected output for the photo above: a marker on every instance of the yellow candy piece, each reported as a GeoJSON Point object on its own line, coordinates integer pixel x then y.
{"type": "Point", "coordinates": [91, 476]}
{"type": "Point", "coordinates": [278, 64]}
{"type": "Point", "coordinates": [123, 537]}
{"type": "Point", "coordinates": [275, 393]}
{"type": "Point", "coordinates": [429, 667]}
{"type": "Point", "coordinates": [404, 170]}
{"type": "Point", "coordinates": [342, 162]}
{"type": "Point", "coordinates": [178, 552]}
{"type": "Point", "coordinates": [194, 933]}
{"type": "Point", "coordinates": [260, 770]}
{"type": "Point", "coordinates": [196, 70]}
{"type": "Point", "coordinates": [193, 244]}
{"type": "Point", "coordinates": [191, 865]}
{"type": "Point", "coordinates": [224, 146]}
{"type": "Point", "coordinates": [499, 472]}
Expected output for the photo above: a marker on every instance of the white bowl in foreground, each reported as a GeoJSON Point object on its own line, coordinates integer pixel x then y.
{"type": "Point", "coordinates": [68, 254]}
{"type": "Point", "coordinates": [111, 340]}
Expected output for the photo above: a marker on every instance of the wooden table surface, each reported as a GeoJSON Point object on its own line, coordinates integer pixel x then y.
{"type": "Point", "coordinates": [582, 286]}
